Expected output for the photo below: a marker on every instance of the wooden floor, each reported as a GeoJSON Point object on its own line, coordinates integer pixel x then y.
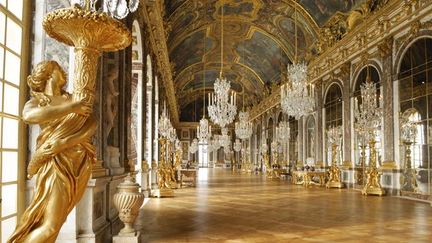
{"type": "Point", "coordinates": [244, 208]}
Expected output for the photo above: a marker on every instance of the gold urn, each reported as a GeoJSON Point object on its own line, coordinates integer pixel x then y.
{"type": "Point", "coordinates": [128, 201]}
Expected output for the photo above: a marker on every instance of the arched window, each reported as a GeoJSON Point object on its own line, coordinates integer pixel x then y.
{"type": "Point", "coordinates": [12, 149]}
{"type": "Point", "coordinates": [415, 91]}
{"type": "Point", "coordinates": [333, 112]}
{"type": "Point", "coordinates": [137, 97]}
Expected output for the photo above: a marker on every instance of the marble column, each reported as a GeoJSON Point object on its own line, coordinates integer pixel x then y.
{"type": "Point", "coordinates": [300, 140]}
{"type": "Point", "coordinates": [385, 50]}
{"type": "Point", "coordinates": [345, 77]}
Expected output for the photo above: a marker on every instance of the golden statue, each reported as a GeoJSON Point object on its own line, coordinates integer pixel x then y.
{"type": "Point", "coordinates": [334, 172]}
{"type": "Point", "coordinates": [64, 154]}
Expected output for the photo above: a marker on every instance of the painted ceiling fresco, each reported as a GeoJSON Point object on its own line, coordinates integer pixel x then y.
{"type": "Point", "coordinates": [258, 41]}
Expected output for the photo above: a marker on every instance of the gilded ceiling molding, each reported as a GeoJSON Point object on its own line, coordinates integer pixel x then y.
{"type": "Point", "coordinates": [152, 11]}
{"type": "Point", "coordinates": [378, 26]}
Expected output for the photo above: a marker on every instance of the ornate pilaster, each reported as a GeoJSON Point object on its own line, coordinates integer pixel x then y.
{"type": "Point", "coordinates": [319, 125]}
{"type": "Point", "coordinates": [385, 51]}
{"type": "Point", "coordinates": [345, 77]}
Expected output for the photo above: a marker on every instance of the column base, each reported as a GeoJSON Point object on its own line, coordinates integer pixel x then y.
{"type": "Point", "coordinates": [164, 192]}
{"type": "Point", "coordinates": [334, 184]}
{"type": "Point", "coordinates": [128, 238]}
{"type": "Point", "coordinates": [378, 191]}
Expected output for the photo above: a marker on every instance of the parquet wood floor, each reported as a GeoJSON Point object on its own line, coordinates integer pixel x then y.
{"type": "Point", "coordinates": [244, 208]}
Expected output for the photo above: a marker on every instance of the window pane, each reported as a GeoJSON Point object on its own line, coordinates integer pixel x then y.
{"type": "Point", "coordinates": [1, 61]}
{"type": "Point", "coordinates": [2, 27]}
{"type": "Point", "coordinates": [12, 68]}
{"type": "Point", "coordinates": [10, 133]}
{"type": "Point", "coordinates": [13, 38]}
{"type": "Point", "coordinates": [11, 100]}
{"type": "Point", "coordinates": [9, 203]}
{"type": "Point", "coordinates": [7, 228]}
{"type": "Point", "coordinates": [16, 8]}
{"type": "Point", "coordinates": [9, 166]}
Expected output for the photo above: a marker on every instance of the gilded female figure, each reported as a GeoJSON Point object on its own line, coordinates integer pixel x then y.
{"type": "Point", "coordinates": [63, 157]}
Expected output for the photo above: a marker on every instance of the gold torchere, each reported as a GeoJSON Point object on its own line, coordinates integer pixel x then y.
{"type": "Point", "coordinates": [373, 185]}
{"type": "Point", "coordinates": [334, 177]}
{"type": "Point", "coordinates": [164, 172]}
{"type": "Point", "coordinates": [276, 171]}
{"type": "Point", "coordinates": [64, 153]}
{"type": "Point", "coordinates": [408, 178]}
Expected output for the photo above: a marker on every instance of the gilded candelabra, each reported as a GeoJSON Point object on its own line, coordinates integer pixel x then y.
{"type": "Point", "coordinates": [373, 185]}
{"type": "Point", "coordinates": [64, 152]}
{"type": "Point", "coordinates": [409, 176]}
{"type": "Point", "coordinates": [164, 172]}
{"type": "Point", "coordinates": [334, 135]}
{"type": "Point", "coordinates": [334, 176]}
{"type": "Point", "coordinates": [408, 123]}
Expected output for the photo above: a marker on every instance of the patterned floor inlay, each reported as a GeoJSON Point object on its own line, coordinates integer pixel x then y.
{"type": "Point", "coordinates": [244, 208]}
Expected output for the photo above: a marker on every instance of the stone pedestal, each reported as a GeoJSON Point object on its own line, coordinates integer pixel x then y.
{"type": "Point", "coordinates": [91, 213]}
{"type": "Point", "coordinates": [132, 238]}
{"type": "Point", "coordinates": [112, 159]}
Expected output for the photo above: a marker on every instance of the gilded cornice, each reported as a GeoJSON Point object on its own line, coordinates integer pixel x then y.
{"type": "Point", "coordinates": [152, 12]}
{"type": "Point", "coordinates": [377, 30]}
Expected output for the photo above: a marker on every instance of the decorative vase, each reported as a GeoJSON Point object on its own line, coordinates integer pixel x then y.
{"type": "Point", "coordinates": [128, 201]}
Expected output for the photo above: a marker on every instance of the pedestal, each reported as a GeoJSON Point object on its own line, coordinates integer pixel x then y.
{"type": "Point", "coordinates": [131, 238]}
{"type": "Point", "coordinates": [164, 192]}
{"type": "Point", "coordinates": [113, 160]}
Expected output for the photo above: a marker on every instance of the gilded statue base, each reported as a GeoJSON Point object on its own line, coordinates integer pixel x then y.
{"type": "Point", "coordinates": [334, 181]}
{"type": "Point", "coordinates": [334, 184]}
{"type": "Point", "coordinates": [164, 192]}
{"type": "Point", "coordinates": [373, 185]}
{"type": "Point", "coordinates": [409, 181]}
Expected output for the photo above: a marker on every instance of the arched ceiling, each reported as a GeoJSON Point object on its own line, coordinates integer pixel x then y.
{"type": "Point", "coordinates": [258, 42]}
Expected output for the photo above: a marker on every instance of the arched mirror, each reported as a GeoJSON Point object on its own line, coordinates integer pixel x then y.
{"type": "Point", "coordinates": [333, 113]}
{"type": "Point", "coordinates": [415, 93]}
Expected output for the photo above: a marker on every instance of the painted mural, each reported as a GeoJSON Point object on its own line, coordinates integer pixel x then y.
{"type": "Point", "coordinates": [322, 10]}
{"type": "Point", "coordinates": [287, 27]}
{"type": "Point", "coordinates": [211, 76]}
{"type": "Point", "coordinates": [190, 51]}
{"type": "Point", "coordinates": [263, 55]}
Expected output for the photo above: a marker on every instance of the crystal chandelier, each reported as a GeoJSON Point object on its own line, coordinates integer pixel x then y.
{"type": "Point", "coordinates": [274, 146]}
{"type": "Point", "coordinates": [297, 97]}
{"type": "Point", "coordinates": [172, 134]}
{"type": "Point", "coordinates": [224, 139]}
{"type": "Point", "coordinates": [334, 135]}
{"type": "Point", "coordinates": [243, 128]}
{"type": "Point", "coordinates": [283, 132]}
{"type": "Point", "coordinates": [164, 123]}
{"type": "Point", "coordinates": [193, 148]}
{"type": "Point", "coordinates": [116, 8]}
{"type": "Point", "coordinates": [204, 130]}
{"type": "Point", "coordinates": [408, 127]}
{"type": "Point", "coordinates": [264, 148]}
{"type": "Point", "coordinates": [222, 108]}
{"type": "Point", "coordinates": [237, 145]}
{"type": "Point", "coordinates": [369, 114]}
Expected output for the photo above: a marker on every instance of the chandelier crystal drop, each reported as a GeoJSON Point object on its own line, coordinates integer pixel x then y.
{"type": "Point", "coordinates": [116, 8]}
{"type": "Point", "coordinates": [243, 128]}
{"type": "Point", "coordinates": [283, 132]}
{"type": "Point", "coordinates": [222, 108]}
